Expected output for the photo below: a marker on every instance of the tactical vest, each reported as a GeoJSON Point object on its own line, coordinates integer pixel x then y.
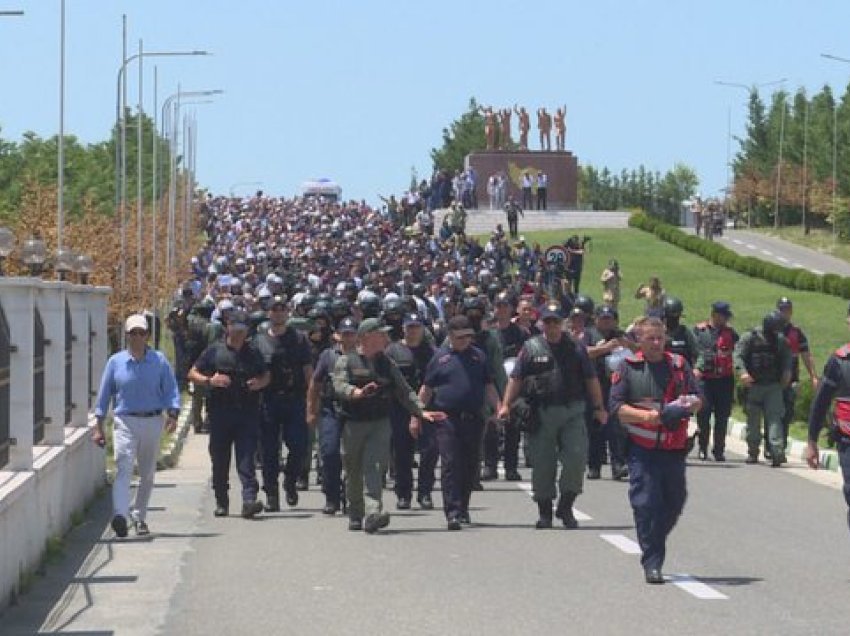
{"type": "Point", "coordinates": [377, 405]}
{"type": "Point", "coordinates": [762, 359]}
{"type": "Point", "coordinates": [327, 394]}
{"type": "Point", "coordinates": [677, 342]}
{"type": "Point", "coordinates": [229, 362]}
{"type": "Point", "coordinates": [403, 356]}
{"type": "Point", "coordinates": [645, 394]}
{"type": "Point", "coordinates": [196, 335]}
{"type": "Point", "coordinates": [511, 340]}
{"type": "Point", "coordinates": [552, 381]}
{"type": "Point", "coordinates": [841, 408]}
{"type": "Point", "coordinates": [287, 374]}
{"type": "Point", "coordinates": [718, 359]}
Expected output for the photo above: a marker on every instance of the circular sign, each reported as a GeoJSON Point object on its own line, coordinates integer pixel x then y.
{"type": "Point", "coordinates": [556, 255]}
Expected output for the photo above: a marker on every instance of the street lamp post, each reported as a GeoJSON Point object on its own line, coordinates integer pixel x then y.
{"type": "Point", "coordinates": [60, 195]}
{"type": "Point", "coordinates": [836, 58]}
{"type": "Point", "coordinates": [752, 89]}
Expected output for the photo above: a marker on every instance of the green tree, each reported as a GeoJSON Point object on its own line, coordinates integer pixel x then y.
{"type": "Point", "coordinates": [464, 135]}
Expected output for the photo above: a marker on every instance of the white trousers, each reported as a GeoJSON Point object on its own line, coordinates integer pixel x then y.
{"type": "Point", "coordinates": [135, 440]}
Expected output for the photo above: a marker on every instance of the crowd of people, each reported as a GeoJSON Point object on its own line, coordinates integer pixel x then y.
{"type": "Point", "coordinates": [308, 323]}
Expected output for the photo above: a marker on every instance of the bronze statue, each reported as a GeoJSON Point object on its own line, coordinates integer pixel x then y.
{"type": "Point", "coordinates": [544, 125]}
{"type": "Point", "coordinates": [524, 125]}
{"type": "Point", "coordinates": [489, 126]}
{"type": "Point", "coordinates": [505, 131]}
{"type": "Point", "coordinates": [561, 128]}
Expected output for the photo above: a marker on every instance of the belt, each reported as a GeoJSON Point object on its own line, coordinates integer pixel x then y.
{"type": "Point", "coordinates": [144, 413]}
{"type": "Point", "coordinates": [463, 415]}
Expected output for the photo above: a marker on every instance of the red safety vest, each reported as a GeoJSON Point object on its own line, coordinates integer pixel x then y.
{"type": "Point", "coordinates": [654, 435]}
{"type": "Point", "coordinates": [792, 335]}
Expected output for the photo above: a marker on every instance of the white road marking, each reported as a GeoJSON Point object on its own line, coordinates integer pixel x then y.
{"type": "Point", "coordinates": [782, 259]}
{"type": "Point", "coordinates": [816, 271]}
{"type": "Point", "coordinates": [622, 542]}
{"type": "Point", "coordinates": [767, 252]}
{"type": "Point", "coordinates": [737, 241]}
{"type": "Point", "coordinates": [696, 588]}
{"type": "Point", "coordinates": [578, 514]}
{"type": "Point", "coordinates": [751, 246]}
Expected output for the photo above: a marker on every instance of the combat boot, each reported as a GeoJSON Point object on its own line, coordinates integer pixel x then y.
{"type": "Point", "coordinates": [273, 501]}
{"type": "Point", "coordinates": [544, 509]}
{"type": "Point", "coordinates": [565, 510]}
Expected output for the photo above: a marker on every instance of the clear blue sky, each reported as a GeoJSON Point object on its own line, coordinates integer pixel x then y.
{"type": "Point", "coordinates": [359, 91]}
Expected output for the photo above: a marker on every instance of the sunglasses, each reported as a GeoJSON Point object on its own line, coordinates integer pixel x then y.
{"type": "Point", "coordinates": [137, 332]}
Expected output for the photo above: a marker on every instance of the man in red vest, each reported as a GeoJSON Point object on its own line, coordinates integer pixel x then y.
{"type": "Point", "coordinates": [653, 394]}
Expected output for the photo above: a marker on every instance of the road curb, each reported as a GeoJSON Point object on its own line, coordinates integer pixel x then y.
{"type": "Point", "coordinates": [796, 449]}
{"type": "Point", "coordinates": [169, 457]}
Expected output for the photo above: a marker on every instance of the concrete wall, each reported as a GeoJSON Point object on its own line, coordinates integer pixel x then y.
{"type": "Point", "coordinates": [43, 485]}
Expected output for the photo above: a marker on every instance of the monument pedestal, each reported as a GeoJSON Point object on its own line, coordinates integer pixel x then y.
{"type": "Point", "coordinates": [560, 167]}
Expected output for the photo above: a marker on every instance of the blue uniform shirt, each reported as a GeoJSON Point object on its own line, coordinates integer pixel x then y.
{"type": "Point", "coordinates": [458, 379]}
{"type": "Point", "coordinates": [137, 386]}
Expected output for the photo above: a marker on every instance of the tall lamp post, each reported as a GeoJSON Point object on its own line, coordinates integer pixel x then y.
{"type": "Point", "coordinates": [844, 60]}
{"type": "Point", "coordinates": [752, 88]}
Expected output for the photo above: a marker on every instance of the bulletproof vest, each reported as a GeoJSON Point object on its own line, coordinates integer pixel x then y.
{"type": "Point", "coordinates": [554, 375]}
{"type": "Point", "coordinates": [677, 342]}
{"type": "Point", "coordinates": [403, 356]}
{"type": "Point", "coordinates": [762, 359]}
{"type": "Point", "coordinates": [327, 394]}
{"type": "Point", "coordinates": [231, 363]}
{"type": "Point", "coordinates": [196, 335]}
{"type": "Point", "coordinates": [360, 374]}
{"type": "Point", "coordinates": [511, 340]}
{"type": "Point", "coordinates": [287, 374]}
{"type": "Point", "coordinates": [717, 354]}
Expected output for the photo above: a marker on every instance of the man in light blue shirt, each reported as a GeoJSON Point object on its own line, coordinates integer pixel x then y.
{"type": "Point", "coordinates": [140, 384]}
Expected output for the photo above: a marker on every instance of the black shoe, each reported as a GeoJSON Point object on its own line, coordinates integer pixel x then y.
{"type": "Point", "coordinates": [565, 511]}
{"type": "Point", "coordinates": [593, 473]}
{"type": "Point", "coordinates": [302, 484]}
{"type": "Point", "coordinates": [119, 525]}
{"type": "Point", "coordinates": [403, 503]}
{"type": "Point", "coordinates": [272, 503]}
{"type": "Point", "coordinates": [777, 460]}
{"type": "Point", "coordinates": [544, 508]}
{"type": "Point", "coordinates": [768, 454]}
{"type": "Point", "coordinates": [142, 529]}
{"type": "Point", "coordinates": [251, 509]}
{"type": "Point", "coordinates": [331, 508]}
{"type": "Point", "coordinates": [454, 524]}
{"type": "Point", "coordinates": [464, 518]}
{"type": "Point", "coordinates": [291, 496]}
{"type": "Point", "coordinates": [489, 474]}
{"type": "Point", "coordinates": [222, 508]}
{"type": "Point", "coordinates": [719, 456]}
{"type": "Point", "coordinates": [355, 525]}
{"type": "Point", "coordinates": [703, 454]}
{"type": "Point", "coordinates": [653, 576]}
{"type": "Point", "coordinates": [477, 485]}
{"type": "Point", "coordinates": [752, 459]}
{"type": "Point", "coordinates": [513, 475]}
{"type": "Point", "coordinates": [376, 521]}
{"type": "Point", "coordinates": [619, 472]}
{"type": "Point", "coordinates": [425, 502]}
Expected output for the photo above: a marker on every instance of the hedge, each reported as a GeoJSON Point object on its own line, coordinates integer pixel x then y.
{"type": "Point", "coordinates": [795, 278]}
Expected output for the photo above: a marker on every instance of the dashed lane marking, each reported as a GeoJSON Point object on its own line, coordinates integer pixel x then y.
{"type": "Point", "coordinates": [578, 514]}
{"type": "Point", "coordinates": [767, 252]}
{"type": "Point", "coordinates": [737, 241]}
{"type": "Point", "coordinates": [782, 259]}
{"type": "Point", "coordinates": [815, 271]}
{"type": "Point", "coordinates": [686, 582]}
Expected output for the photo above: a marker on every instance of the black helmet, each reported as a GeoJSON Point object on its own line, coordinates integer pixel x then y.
{"type": "Point", "coordinates": [205, 308]}
{"type": "Point", "coordinates": [320, 310]}
{"type": "Point", "coordinates": [419, 290]}
{"type": "Point", "coordinates": [409, 303]}
{"type": "Point", "coordinates": [493, 290]}
{"type": "Point", "coordinates": [784, 303]}
{"type": "Point", "coordinates": [673, 306]}
{"type": "Point", "coordinates": [772, 323]}
{"type": "Point", "coordinates": [255, 319]}
{"type": "Point", "coordinates": [370, 305]}
{"type": "Point", "coordinates": [585, 303]}
{"type": "Point", "coordinates": [306, 303]}
{"type": "Point", "coordinates": [325, 297]}
{"type": "Point", "coordinates": [340, 307]}
{"type": "Point", "coordinates": [393, 305]}
{"type": "Point", "coordinates": [474, 303]}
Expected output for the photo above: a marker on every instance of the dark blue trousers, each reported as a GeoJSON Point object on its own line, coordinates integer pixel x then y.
{"type": "Point", "coordinates": [234, 428]}
{"type": "Point", "coordinates": [598, 436]}
{"type": "Point", "coordinates": [511, 448]}
{"type": "Point", "coordinates": [718, 394]}
{"type": "Point", "coordinates": [284, 418]}
{"type": "Point", "coordinates": [657, 494]}
{"type": "Point", "coordinates": [459, 440]}
{"type": "Point", "coordinates": [844, 461]}
{"type": "Point", "coordinates": [330, 434]}
{"type": "Point", "coordinates": [404, 447]}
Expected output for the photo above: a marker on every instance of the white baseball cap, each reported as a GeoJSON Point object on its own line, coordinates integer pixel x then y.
{"type": "Point", "coordinates": [136, 321]}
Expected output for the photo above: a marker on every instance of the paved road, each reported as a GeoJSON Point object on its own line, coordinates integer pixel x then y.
{"type": "Point", "coordinates": [483, 221]}
{"type": "Point", "coordinates": [783, 252]}
{"type": "Point", "coordinates": [757, 551]}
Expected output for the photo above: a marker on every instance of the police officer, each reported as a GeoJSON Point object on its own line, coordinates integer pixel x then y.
{"type": "Point", "coordinates": [412, 355]}
{"type": "Point", "coordinates": [322, 410]}
{"type": "Point", "coordinates": [715, 370]}
{"type": "Point", "coordinates": [287, 354]}
{"type": "Point", "coordinates": [763, 360]}
{"type": "Point", "coordinates": [680, 339]}
{"type": "Point", "coordinates": [513, 211]}
{"type": "Point", "coordinates": [457, 381]}
{"type": "Point", "coordinates": [511, 339]}
{"type": "Point", "coordinates": [364, 381]}
{"type": "Point", "coordinates": [607, 344]}
{"type": "Point", "coordinates": [235, 373]}
{"type": "Point", "coordinates": [799, 345]}
{"type": "Point", "coordinates": [474, 308]}
{"type": "Point", "coordinates": [653, 394]}
{"type": "Point", "coordinates": [199, 337]}
{"type": "Point", "coordinates": [555, 373]}
{"type": "Point", "coordinates": [834, 385]}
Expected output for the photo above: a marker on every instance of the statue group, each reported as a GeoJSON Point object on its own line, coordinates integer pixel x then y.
{"type": "Point", "coordinates": [497, 128]}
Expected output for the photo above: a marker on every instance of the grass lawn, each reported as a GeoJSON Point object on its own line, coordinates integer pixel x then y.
{"type": "Point", "coordinates": [820, 240]}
